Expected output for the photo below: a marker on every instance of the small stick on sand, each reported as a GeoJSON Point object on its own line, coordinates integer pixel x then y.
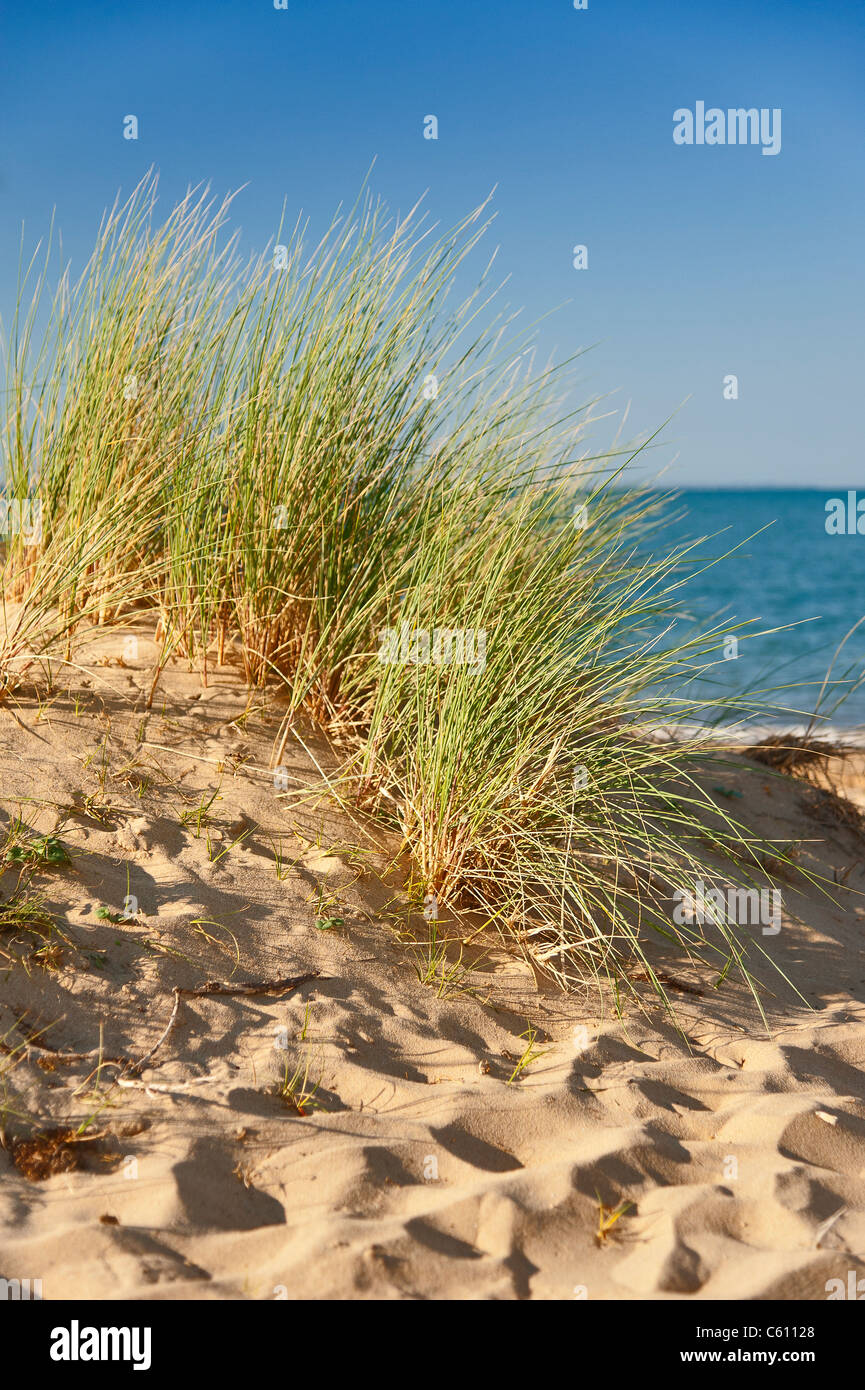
{"type": "Point", "coordinates": [279, 986]}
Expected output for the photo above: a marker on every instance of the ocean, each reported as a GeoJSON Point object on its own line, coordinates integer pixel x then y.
{"type": "Point", "coordinates": [793, 575]}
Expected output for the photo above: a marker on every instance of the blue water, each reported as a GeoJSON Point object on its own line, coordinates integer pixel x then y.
{"type": "Point", "coordinates": [793, 572]}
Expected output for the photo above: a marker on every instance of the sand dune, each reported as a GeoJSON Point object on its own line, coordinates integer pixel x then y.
{"type": "Point", "coordinates": [418, 1170]}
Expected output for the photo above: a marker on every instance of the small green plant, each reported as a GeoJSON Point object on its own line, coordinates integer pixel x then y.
{"type": "Point", "coordinates": [199, 926]}
{"type": "Point", "coordinates": [131, 775]}
{"type": "Point", "coordinates": [37, 852]}
{"type": "Point", "coordinates": [432, 968]}
{"type": "Point", "coordinates": [325, 918]}
{"type": "Point", "coordinates": [105, 914]}
{"type": "Point", "coordinates": [214, 856]}
{"type": "Point", "coordinates": [295, 1088]}
{"type": "Point", "coordinates": [26, 912]}
{"type": "Point", "coordinates": [25, 920]}
{"type": "Point", "coordinates": [530, 1055]}
{"type": "Point", "coordinates": [607, 1218]}
{"type": "Point", "coordinates": [90, 806]}
{"type": "Point", "coordinates": [199, 816]}
{"type": "Point", "coordinates": [282, 871]}
{"type": "Point", "coordinates": [96, 1092]}
{"type": "Point", "coordinates": [102, 772]}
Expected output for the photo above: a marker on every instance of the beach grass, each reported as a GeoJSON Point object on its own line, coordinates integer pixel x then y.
{"type": "Point", "coordinates": [330, 466]}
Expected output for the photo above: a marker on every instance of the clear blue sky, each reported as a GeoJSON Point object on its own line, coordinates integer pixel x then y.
{"type": "Point", "coordinates": [703, 261]}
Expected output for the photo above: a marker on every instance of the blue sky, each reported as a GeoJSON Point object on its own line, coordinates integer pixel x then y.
{"type": "Point", "coordinates": [703, 261]}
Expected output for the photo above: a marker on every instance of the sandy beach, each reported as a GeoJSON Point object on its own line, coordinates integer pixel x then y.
{"type": "Point", "coordinates": [361, 1135]}
{"type": "Point", "coordinates": [432, 677]}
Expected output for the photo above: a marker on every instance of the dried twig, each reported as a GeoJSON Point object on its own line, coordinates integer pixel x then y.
{"type": "Point", "coordinates": [279, 986]}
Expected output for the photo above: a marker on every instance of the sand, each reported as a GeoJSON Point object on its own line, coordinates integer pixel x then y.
{"type": "Point", "coordinates": [419, 1169]}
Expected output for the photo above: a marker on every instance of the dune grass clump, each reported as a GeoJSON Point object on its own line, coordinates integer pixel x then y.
{"type": "Point", "coordinates": [327, 467]}
{"type": "Point", "coordinates": [540, 788]}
